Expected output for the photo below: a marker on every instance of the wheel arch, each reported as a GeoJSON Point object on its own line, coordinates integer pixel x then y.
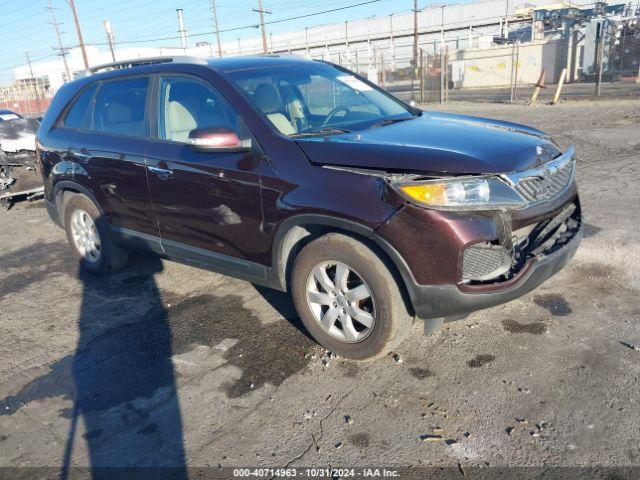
{"type": "Point", "coordinates": [295, 232]}
{"type": "Point", "coordinates": [61, 192]}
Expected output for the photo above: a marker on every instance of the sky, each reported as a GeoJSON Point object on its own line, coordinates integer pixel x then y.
{"type": "Point", "coordinates": [25, 25]}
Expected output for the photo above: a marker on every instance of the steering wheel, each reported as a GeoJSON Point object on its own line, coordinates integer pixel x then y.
{"type": "Point", "coordinates": [335, 111]}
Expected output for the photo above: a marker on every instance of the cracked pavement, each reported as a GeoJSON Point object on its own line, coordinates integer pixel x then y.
{"type": "Point", "coordinates": [166, 365]}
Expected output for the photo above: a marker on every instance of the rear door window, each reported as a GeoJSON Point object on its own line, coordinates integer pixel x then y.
{"type": "Point", "coordinates": [120, 107]}
{"type": "Point", "coordinates": [79, 114]}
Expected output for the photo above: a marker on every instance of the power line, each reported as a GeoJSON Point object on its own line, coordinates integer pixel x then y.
{"type": "Point", "coordinates": [281, 20]}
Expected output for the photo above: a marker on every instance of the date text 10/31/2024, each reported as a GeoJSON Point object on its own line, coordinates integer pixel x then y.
{"type": "Point", "coordinates": [316, 472]}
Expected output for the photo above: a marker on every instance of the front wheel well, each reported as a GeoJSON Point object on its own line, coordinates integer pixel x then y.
{"type": "Point", "coordinates": [298, 236]}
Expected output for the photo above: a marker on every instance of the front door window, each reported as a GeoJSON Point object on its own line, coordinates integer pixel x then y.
{"type": "Point", "coordinates": [187, 104]}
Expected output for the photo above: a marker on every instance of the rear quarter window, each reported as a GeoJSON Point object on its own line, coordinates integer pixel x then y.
{"type": "Point", "coordinates": [79, 115]}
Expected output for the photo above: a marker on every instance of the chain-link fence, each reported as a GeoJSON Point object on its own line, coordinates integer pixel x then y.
{"type": "Point", "coordinates": [601, 58]}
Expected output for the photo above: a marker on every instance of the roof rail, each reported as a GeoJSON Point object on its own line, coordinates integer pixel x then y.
{"type": "Point", "coordinates": [139, 62]}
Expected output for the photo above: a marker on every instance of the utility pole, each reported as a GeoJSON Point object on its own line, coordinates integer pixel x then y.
{"type": "Point", "coordinates": [261, 11]}
{"type": "Point", "coordinates": [79, 32]}
{"type": "Point", "coordinates": [214, 17]}
{"type": "Point", "coordinates": [33, 82]}
{"type": "Point", "coordinates": [108, 28]}
{"type": "Point", "coordinates": [61, 49]}
{"type": "Point", "coordinates": [181, 30]}
{"type": "Point", "coordinates": [415, 38]}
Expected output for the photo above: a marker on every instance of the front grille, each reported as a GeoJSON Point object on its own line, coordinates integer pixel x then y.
{"type": "Point", "coordinates": [484, 261]}
{"type": "Point", "coordinates": [546, 186]}
{"type": "Point", "coordinates": [545, 182]}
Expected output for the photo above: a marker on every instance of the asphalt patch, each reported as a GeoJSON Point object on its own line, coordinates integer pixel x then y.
{"type": "Point", "coordinates": [480, 360]}
{"type": "Point", "coordinates": [360, 440]}
{"type": "Point", "coordinates": [513, 326]}
{"type": "Point", "coordinates": [264, 353]}
{"type": "Point", "coordinates": [350, 369]}
{"type": "Point", "coordinates": [421, 373]}
{"type": "Point", "coordinates": [127, 339]}
{"type": "Point", "coordinates": [33, 264]}
{"type": "Point", "coordinates": [554, 304]}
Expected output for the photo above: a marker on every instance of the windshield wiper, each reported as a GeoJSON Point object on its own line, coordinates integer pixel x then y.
{"type": "Point", "coordinates": [389, 121]}
{"type": "Point", "coordinates": [321, 132]}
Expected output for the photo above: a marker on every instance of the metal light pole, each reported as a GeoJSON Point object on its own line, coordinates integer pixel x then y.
{"type": "Point", "coordinates": [108, 28]}
{"type": "Point", "coordinates": [346, 33]}
{"type": "Point", "coordinates": [415, 37]}
{"type": "Point", "coordinates": [392, 43]}
{"type": "Point", "coordinates": [306, 38]}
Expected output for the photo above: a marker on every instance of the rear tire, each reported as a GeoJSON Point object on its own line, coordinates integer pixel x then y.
{"type": "Point", "coordinates": [90, 237]}
{"type": "Point", "coordinates": [360, 314]}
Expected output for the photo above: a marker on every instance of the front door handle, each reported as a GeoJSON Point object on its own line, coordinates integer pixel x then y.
{"type": "Point", "coordinates": [163, 173]}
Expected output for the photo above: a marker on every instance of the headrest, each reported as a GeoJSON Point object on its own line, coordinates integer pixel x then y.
{"type": "Point", "coordinates": [180, 118]}
{"type": "Point", "coordinates": [118, 113]}
{"type": "Point", "coordinates": [267, 98]}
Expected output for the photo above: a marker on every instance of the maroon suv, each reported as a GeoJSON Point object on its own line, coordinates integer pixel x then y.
{"type": "Point", "coordinates": [304, 177]}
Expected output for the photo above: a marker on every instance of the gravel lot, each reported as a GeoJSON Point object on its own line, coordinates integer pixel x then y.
{"type": "Point", "coordinates": [187, 367]}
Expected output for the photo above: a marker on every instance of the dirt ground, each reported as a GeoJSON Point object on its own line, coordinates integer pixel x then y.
{"type": "Point", "coordinates": [185, 367]}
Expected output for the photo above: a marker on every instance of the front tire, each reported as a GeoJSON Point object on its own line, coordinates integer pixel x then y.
{"type": "Point", "coordinates": [348, 299]}
{"type": "Point", "coordinates": [90, 238]}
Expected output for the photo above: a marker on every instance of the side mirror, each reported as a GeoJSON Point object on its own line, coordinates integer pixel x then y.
{"type": "Point", "coordinates": [217, 139]}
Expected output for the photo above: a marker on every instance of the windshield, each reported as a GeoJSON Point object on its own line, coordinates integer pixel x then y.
{"type": "Point", "coordinates": [318, 98]}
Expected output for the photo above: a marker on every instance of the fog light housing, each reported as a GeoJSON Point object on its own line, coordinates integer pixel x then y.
{"type": "Point", "coordinates": [485, 261]}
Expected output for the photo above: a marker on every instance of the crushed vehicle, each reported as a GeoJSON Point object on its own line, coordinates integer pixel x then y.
{"type": "Point", "coordinates": [304, 177]}
{"type": "Point", "coordinates": [20, 177]}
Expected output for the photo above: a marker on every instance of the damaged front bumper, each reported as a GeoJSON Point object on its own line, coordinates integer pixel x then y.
{"type": "Point", "coordinates": [511, 253]}
{"type": "Point", "coordinates": [434, 301]}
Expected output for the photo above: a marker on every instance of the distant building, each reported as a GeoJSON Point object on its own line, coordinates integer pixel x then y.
{"type": "Point", "coordinates": [376, 44]}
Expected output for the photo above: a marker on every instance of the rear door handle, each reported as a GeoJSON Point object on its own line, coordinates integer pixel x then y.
{"type": "Point", "coordinates": [163, 173]}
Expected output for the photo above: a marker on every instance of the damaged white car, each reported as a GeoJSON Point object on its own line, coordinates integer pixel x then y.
{"type": "Point", "coordinates": [19, 175]}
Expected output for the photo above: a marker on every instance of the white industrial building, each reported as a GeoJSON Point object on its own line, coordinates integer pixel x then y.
{"type": "Point", "coordinates": [360, 44]}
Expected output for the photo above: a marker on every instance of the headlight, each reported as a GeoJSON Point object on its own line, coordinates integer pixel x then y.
{"type": "Point", "coordinates": [468, 193]}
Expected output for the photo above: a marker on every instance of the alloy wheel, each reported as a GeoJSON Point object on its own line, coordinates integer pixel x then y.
{"type": "Point", "coordinates": [341, 301]}
{"type": "Point", "coordinates": [85, 236]}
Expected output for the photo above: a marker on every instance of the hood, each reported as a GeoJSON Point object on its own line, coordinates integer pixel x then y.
{"type": "Point", "coordinates": [436, 143]}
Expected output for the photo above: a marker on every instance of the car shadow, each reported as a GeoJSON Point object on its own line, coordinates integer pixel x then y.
{"type": "Point", "coordinates": [283, 304]}
{"type": "Point", "coordinates": [123, 383]}
{"type": "Point", "coordinates": [121, 378]}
